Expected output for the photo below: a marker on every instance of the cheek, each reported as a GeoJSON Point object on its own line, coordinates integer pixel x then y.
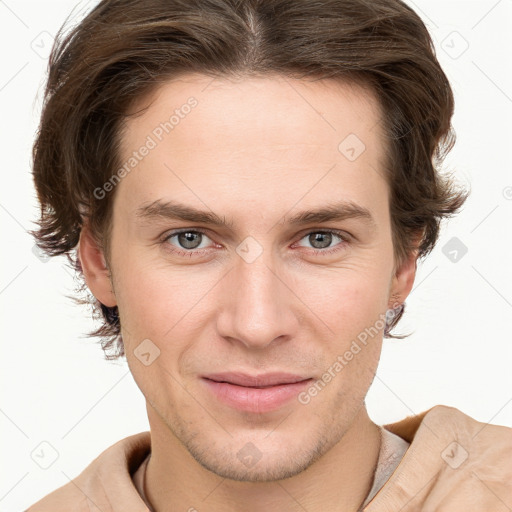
{"type": "Point", "coordinates": [155, 310]}
{"type": "Point", "coordinates": [348, 301]}
{"type": "Point", "coordinates": [152, 297]}
{"type": "Point", "coordinates": [356, 316]}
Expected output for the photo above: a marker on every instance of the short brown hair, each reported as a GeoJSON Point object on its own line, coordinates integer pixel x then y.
{"type": "Point", "coordinates": [124, 49]}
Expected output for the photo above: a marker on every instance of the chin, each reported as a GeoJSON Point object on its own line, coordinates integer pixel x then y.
{"type": "Point", "coordinates": [262, 471]}
{"type": "Point", "coordinates": [259, 460]}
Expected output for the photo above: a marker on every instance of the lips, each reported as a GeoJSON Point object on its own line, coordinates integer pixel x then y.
{"type": "Point", "coordinates": [259, 381]}
{"type": "Point", "coordinates": [256, 394]}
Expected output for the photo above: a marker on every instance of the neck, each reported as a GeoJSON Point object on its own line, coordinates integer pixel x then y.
{"type": "Point", "coordinates": [340, 480]}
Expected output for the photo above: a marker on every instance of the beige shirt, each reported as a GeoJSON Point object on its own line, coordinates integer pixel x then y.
{"type": "Point", "coordinates": [443, 461]}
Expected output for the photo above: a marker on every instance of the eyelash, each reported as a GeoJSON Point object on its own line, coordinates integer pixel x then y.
{"type": "Point", "coordinates": [197, 252]}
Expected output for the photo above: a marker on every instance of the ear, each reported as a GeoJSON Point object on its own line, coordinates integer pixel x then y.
{"type": "Point", "coordinates": [94, 266]}
{"type": "Point", "coordinates": [403, 279]}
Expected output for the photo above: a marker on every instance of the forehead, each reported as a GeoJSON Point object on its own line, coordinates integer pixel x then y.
{"type": "Point", "coordinates": [273, 111]}
{"type": "Point", "coordinates": [261, 138]}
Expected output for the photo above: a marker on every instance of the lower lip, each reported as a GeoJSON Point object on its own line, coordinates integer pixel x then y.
{"type": "Point", "coordinates": [258, 400]}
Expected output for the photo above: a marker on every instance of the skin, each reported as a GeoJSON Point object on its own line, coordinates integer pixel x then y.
{"type": "Point", "coordinates": [255, 151]}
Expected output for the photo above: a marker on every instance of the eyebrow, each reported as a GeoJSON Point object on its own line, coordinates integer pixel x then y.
{"type": "Point", "coordinates": [173, 210]}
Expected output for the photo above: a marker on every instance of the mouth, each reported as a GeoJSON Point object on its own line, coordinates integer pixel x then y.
{"type": "Point", "coordinates": [257, 394]}
{"type": "Point", "coordinates": [258, 381]}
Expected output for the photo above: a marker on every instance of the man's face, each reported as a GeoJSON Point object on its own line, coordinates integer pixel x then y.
{"type": "Point", "coordinates": [258, 295]}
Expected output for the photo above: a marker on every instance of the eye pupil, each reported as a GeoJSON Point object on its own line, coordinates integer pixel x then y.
{"type": "Point", "coordinates": [324, 239]}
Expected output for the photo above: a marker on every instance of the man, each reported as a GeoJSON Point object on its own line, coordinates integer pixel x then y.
{"type": "Point", "coordinates": [248, 186]}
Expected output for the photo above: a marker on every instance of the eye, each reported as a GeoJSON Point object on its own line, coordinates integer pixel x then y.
{"type": "Point", "coordinates": [321, 241]}
{"type": "Point", "coordinates": [191, 240]}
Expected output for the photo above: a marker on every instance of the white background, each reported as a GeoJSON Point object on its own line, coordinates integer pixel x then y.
{"type": "Point", "coordinates": [56, 386]}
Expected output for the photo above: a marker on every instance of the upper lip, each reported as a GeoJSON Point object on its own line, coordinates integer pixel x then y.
{"type": "Point", "coordinates": [266, 379]}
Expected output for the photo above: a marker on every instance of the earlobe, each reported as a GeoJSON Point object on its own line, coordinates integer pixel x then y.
{"type": "Point", "coordinates": [95, 269]}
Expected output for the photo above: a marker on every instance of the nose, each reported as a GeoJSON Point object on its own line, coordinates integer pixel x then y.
{"type": "Point", "coordinates": [258, 306]}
